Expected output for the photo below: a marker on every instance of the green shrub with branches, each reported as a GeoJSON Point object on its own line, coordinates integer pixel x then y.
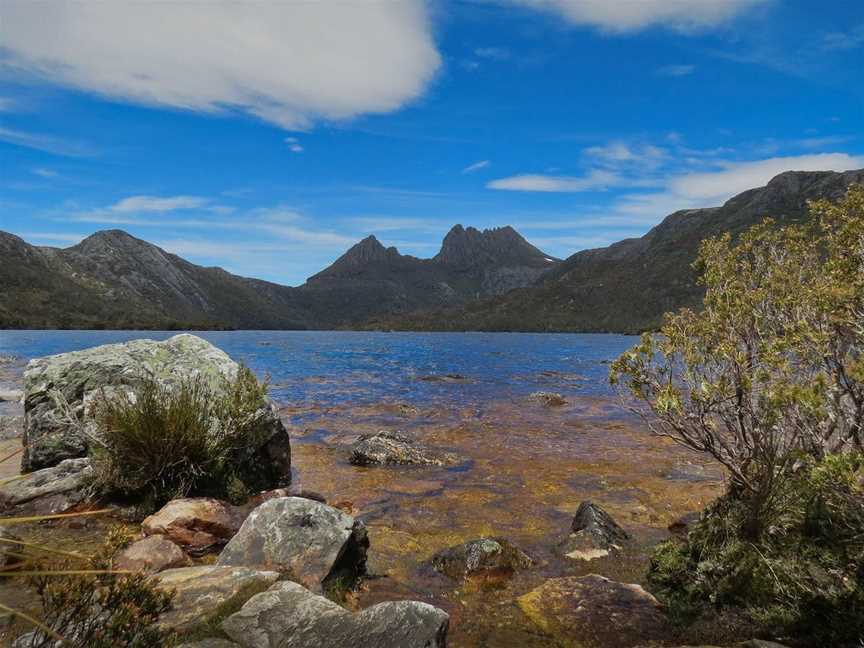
{"type": "Point", "coordinates": [171, 440]}
{"type": "Point", "coordinates": [768, 379]}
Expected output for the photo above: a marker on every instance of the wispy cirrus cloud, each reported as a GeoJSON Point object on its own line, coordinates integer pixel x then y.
{"type": "Point", "coordinates": [471, 168]}
{"type": "Point", "coordinates": [594, 180]}
{"type": "Point", "coordinates": [46, 143]}
{"type": "Point", "coordinates": [680, 70]}
{"type": "Point", "coordinates": [139, 204]}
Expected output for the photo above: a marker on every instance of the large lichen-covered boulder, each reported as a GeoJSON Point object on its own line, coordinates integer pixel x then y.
{"type": "Point", "coordinates": [312, 542]}
{"type": "Point", "coordinates": [58, 390]}
{"type": "Point", "coordinates": [290, 616]}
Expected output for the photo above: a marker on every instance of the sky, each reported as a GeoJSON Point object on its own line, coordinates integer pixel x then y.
{"type": "Point", "coordinates": [268, 137]}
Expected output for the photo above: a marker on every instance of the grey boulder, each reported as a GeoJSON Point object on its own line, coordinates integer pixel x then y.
{"type": "Point", "coordinates": [50, 490]}
{"type": "Point", "coordinates": [310, 541]}
{"type": "Point", "coordinates": [290, 616]}
{"type": "Point", "coordinates": [59, 389]}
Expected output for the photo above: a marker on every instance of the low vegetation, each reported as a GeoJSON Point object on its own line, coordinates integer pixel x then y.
{"type": "Point", "coordinates": [769, 380]}
{"type": "Point", "coordinates": [191, 438]}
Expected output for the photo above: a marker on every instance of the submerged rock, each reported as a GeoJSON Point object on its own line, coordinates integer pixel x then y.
{"type": "Point", "coordinates": [608, 612]}
{"type": "Point", "coordinates": [153, 554]}
{"type": "Point", "coordinates": [384, 448]}
{"type": "Point", "coordinates": [593, 534]}
{"type": "Point", "coordinates": [201, 591]}
{"type": "Point", "coordinates": [290, 616]}
{"type": "Point", "coordinates": [484, 555]}
{"type": "Point", "coordinates": [445, 378]}
{"type": "Point", "coordinates": [195, 523]}
{"type": "Point", "coordinates": [50, 490]}
{"type": "Point", "coordinates": [549, 399]}
{"type": "Point", "coordinates": [314, 543]}
{"type": "Point", "coordinates": [59, 388]}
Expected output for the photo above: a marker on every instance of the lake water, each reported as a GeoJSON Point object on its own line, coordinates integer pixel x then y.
{"type": "Point", "coordinates": [342, 366]}
{"type": "Point", "coordinates": [526, 467]}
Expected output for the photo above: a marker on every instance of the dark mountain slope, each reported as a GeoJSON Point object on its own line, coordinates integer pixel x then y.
{"type": "Point", "coordinates": [114, 280]}
{"type": "Point", "coordinates": [627, 286]}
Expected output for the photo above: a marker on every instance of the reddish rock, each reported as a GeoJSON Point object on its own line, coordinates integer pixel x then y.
{"type": "Point", "coordinates": [152, 554]}
{"type": "Point", "coordinates": [597, 611]}
{"type": "Point", "coordinates": [196, 524]}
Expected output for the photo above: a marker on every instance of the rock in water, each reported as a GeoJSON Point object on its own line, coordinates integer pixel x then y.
{"type": "Point", "coordinates": [602, 611]}
{"type": "Point", "coordinates": [195, 523]}
{"type": "Point", "coordinates": [57, 390]}
{"type": "Point", "coordinates": [484, 555]}
{"type": "Point", "coordinates": [152, 554]}
{"type": "Point", "coordinates": [549, 399]}
{"type": "Point", "coordinates": [384, 448]}
{"type": "Point", "coordinates": [48, 491]}
{"type": "Point", "coordinates": [314, 543]}
{"type": "Point", "coordinates": [290, 616]}
{"type": "Point", "coordinates": [593, 534]}
{"type": "Point", "coordinates": [202, 591]}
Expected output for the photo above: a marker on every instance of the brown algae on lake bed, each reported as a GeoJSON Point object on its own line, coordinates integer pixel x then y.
{"type": "Point", "coordinates": [528, 468]}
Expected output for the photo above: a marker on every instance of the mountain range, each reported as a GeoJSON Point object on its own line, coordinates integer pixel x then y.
{"type": "Point", "coordinates": [479, 280]}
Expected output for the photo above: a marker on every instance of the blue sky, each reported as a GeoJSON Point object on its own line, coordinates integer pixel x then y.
{"type": "Point", "coordinates": [268, 137]}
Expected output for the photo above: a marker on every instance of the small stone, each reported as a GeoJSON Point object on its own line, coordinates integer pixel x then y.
{"type": "Point", "coordinates": [195, 523]}
{"type": "Point", "coordinates": [484, 555]}
{"type": "Point", "coordinates": [153, 554]}
{"type": "Point", "coordinates": [11, 396]}
{"type": "Point", "coordinates": [548, 399]}
{"type": "Point", "coordinates": [593, 534]}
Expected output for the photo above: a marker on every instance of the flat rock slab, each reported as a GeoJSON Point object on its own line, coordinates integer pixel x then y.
{"type": "Point", "coordinates": [290, 616]}
{"type": "Point", "coordinates": [153, 554]}
{"type": "Point", "coordinates": [304, 538]}
{"type": "Point", "coordinates": [494, 556]}
{"type": "Point", "coordinates": [595, 611]}
{"type": "Point", "coordinates": [195, 523]}
{"type": "Point", "coordinates": [383, 448]}
{"type": "Point", "coordinates": [202, 593]}
{"type": "Point", "coordinates": [48, 491]}
{"type": "Point", "coordinates": [11, 395]}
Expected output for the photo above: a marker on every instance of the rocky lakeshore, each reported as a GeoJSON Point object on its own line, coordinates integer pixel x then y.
{"type": "Point", "coordinates": [508, 523]}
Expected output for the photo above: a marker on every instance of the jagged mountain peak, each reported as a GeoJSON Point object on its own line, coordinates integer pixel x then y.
{"type": "Point", "coordinates": [468, 246]}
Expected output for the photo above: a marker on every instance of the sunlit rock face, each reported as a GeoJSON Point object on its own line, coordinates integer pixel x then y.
{"type": "Point", "coordinates": [59, 390]}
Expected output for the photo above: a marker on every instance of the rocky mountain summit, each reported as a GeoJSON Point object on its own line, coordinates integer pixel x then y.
{"type": "Point", "coordinates": [628, 286]}
{"type": "Point", "coordinates": [114, 280]}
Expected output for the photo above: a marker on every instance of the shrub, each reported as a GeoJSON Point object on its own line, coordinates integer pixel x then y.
{"type": "Point", "coordinates": [803, 578]}
{"type": "Point", "coordinates": [166, 441]}
{"type": "Point", "coordinates": [93, 608]}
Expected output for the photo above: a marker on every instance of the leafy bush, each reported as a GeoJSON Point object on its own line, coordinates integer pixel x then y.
{"type": "Point", "coordinates": [803, 578]}
{"type": "Point", "coordinates": [166, 441]}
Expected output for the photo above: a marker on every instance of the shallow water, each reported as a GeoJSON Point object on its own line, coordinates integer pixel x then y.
{"type": "Point", "coordinates": [527, 467]}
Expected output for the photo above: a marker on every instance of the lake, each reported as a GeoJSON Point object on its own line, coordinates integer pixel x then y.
{"type": "Point", "coordinates": [527, 467]}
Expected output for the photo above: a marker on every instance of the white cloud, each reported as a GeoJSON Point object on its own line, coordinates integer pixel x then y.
{"type": "Point", "coordinates": [134, 204]}
{"type": "Point", "coordinates": [734, 177]}
{"type": "Point", "coordinates": [633, 15]}
{"type": "Point", "coordinates": [289, 63]}
{"type": "Point", "coordinates": [676, 70]}
{"type": "Point", "coordinates": [594, 180]}
{"type": "Point", "coordinates": [618, 154]}
{"type": "Point", "coordinates": [46, 143]}
{"type": "Point", "coordinates": [471, 168]}
{"type": "Point", "coordinates": [44, 173]}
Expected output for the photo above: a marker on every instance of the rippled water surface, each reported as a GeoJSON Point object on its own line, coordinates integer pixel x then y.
{"type": "Point", "coordinates": [527, 467]}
